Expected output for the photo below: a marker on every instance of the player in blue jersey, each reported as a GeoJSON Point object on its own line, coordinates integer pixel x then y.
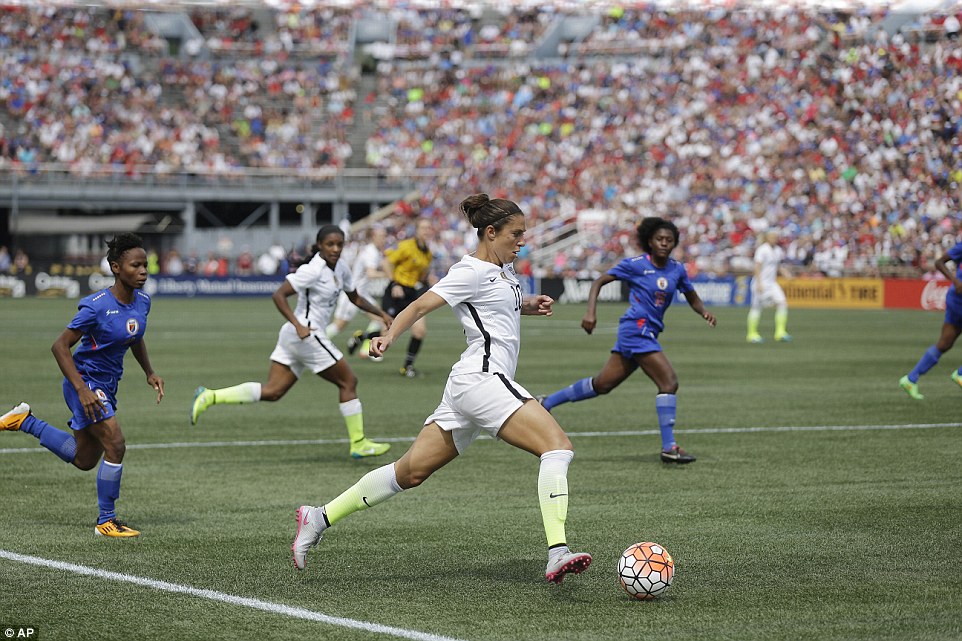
{"type": "Point", "coordinates": [654, 278]}
{"type": "Point", "coordinates": [108, 323]}
{"type": "Point", "coordinates": [951, 326]}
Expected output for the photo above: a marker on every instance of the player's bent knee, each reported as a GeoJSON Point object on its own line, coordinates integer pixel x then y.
{"type": "Point", "coordinates": [84, 465]}
{"type": "Point", "coordinates": [271, 395]}
{"type": "Point", "coordinates": [413, 479]}
{"type": "Point", "coordinates": [115, 452]}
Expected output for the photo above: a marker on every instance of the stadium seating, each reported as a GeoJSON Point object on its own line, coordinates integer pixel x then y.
{"type": "Point", "coordinates": [816, 122]}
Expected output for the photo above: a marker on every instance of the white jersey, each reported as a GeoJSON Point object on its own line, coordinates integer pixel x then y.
{"type": "Point", "coordinates": [487, 300]}
{"type": "Point", "coordinates": [768, 258]}
{"type": "Point", "coordinates": [368, 259]}
{"type": "Point", "coordinates": [318, 287]}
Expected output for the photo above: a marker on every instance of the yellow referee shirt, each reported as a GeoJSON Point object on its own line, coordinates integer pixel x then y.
{"type": "Point", "coordinates": [411, 263]}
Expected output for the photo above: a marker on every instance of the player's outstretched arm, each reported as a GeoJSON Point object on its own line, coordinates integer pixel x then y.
{"type": "Point", "coordinates": [61, 348]}
{"type": "Point", "coordinates": [367, 306]}
{"type": "Point", "coordinates": [695, 302]}
{"type": "Point", "coordinates": [421, 307]}
{"type": "Point", "coordinates": [590, 319]}
{"type": "Point", "coordinates": [280, 297]}
{"type": "Point", "coordinates": [139, 350]}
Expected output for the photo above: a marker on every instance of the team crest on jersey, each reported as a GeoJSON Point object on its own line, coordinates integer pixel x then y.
{"type": "Point", "coordinates": [100, 394]}
{"type": "Point", "coordinates": [662, 283]}
{"type": "Point", "coordinates": [132, 326]}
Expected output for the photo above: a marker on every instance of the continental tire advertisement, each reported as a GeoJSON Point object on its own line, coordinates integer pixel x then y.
{"type": "Point", "coordinates": [834, 293]}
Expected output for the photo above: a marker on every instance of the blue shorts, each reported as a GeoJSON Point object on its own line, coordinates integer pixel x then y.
{"type": "Point", "coordinates": [953, 309]}
{"type": "Point", "coordinates": [105, 390]}
{"type": "Point", "coordinates": [633, 340]}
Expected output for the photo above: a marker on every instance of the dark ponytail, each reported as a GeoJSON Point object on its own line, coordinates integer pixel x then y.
{"type": "Point", "coordinates": [481, 211]}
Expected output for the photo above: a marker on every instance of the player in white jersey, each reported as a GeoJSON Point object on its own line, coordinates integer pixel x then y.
{"type": "Point", "coordinates": [366, 267]}
{"type": "Point", "coordinates": [303, 344]}
{"type": "Point", "coordinates": [480, 394]}
{"type": "Point", "coordinates": [766, 292]}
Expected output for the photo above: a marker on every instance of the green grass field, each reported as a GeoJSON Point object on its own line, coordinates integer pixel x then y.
{"type": "Point", "coordinates": [850, 529]}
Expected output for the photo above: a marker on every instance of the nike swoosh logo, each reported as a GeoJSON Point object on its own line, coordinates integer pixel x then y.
{"type": "Point", "coordinates": [554, 496]}
{"type": "Point", "coordinates": [364, 498]}
{"type": "Point", "coordinates": [491, 280]}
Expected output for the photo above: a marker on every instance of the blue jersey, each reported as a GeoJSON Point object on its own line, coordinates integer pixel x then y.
{"type": "Point", "coordinates": [952, 300]}
{"type": "Point", "coordinates": [652, 290]}
{"type": "Point", "coordinates": [109, 329]}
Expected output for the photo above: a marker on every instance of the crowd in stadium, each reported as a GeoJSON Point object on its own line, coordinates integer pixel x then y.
{"type": "Point", "coordinates": [814, 122]}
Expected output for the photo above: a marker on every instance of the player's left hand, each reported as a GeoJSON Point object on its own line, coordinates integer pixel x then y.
{"type": "Point", "coordinates": [158, 384]}
{"type": "Point", "coordinates": [539, 305]}
{"type": "Point", "coordinates": [379, 345]}
{"type": "Point", "coordinates": [708, 316]}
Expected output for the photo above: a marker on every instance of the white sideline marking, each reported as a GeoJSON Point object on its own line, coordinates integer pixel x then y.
{"type": "Point", "coordinates": [409, 439]}
{"type": "Point", "coordinates": [213, 595]}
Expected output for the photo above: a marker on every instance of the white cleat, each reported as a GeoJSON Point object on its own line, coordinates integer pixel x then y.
{"type": "Point", "coordinates": [567, 563]}
{"type": "Point", "coordinates": [310, 530]}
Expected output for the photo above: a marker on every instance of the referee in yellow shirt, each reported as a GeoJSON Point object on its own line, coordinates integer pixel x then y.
{"type": "Point", "coordinates": [408, 267]}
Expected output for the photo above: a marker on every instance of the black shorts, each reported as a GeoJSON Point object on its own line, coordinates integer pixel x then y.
{"type": "Point", "coordinates": [395, 306]}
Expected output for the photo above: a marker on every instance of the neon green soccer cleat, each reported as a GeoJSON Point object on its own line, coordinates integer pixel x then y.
{"type": "Point", "coordinates": [912, 389]}
{"type": "Point", "coordinates": [755, 339]}
{"type": "Point", "coordinates": [13, 419]}
{"type": "Point", "coordinates": [202, 400]}
{"type": "Point", "coordinates": [367, 447]}
{"type": "Point", "coordinates": [955, 377]}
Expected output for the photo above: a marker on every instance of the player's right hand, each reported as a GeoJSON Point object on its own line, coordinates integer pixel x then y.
{"type": "Point", "coordinates": [588, 323]}
{"type": "Point", "coordinates": [94, 408]}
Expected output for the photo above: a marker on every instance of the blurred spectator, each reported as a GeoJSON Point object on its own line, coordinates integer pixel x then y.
{"type": "Point", "coordinates": [192, 265]}
{"type": "Point", "coordinates": [173, 265]}
{"type": "Point", "coordinates": [5, 260]}
{"type": "Point", "coordinates": [21, 264]}
{"type": "Point", "coordinates": [267, 264]}
{"type": "Point", "coordinates": [210, 265]}
{"type": "Point", "coordinates": [245, 263]}
{"type": "Point", "coordinates": [153, 262]}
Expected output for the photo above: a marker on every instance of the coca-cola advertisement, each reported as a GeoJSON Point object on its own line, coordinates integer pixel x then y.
{"type": "Point", "coordinates": [916, 294]}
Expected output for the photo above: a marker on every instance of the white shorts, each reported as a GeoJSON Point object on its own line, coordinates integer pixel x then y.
{"type": "Point", "coordinates": [769, 296]}
{"type": "Point", "coordinates": [345, 310]}
{"type": "Point", "coordinates": [316, 352]}
{"type": "Point", "coordinates": [475, 402]}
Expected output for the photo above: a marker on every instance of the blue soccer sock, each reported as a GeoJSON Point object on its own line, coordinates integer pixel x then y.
{"type": "Point", "coordinates": [108, 489]}
{"type": "Point", "coordinates": [57, 441]}
{"type": "Point", "coordinates": [579, 391]}
{"type": "Point", "coordinates": [927, 362]}
{"type": "Point", "coordinates": [666, 405]}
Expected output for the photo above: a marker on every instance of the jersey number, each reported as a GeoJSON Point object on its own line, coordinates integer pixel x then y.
{"type": "Point", "coordinates": [518, 299]}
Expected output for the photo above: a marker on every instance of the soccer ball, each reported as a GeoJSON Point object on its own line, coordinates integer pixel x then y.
{"type": "Point", "coordinates": [645, 570]}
